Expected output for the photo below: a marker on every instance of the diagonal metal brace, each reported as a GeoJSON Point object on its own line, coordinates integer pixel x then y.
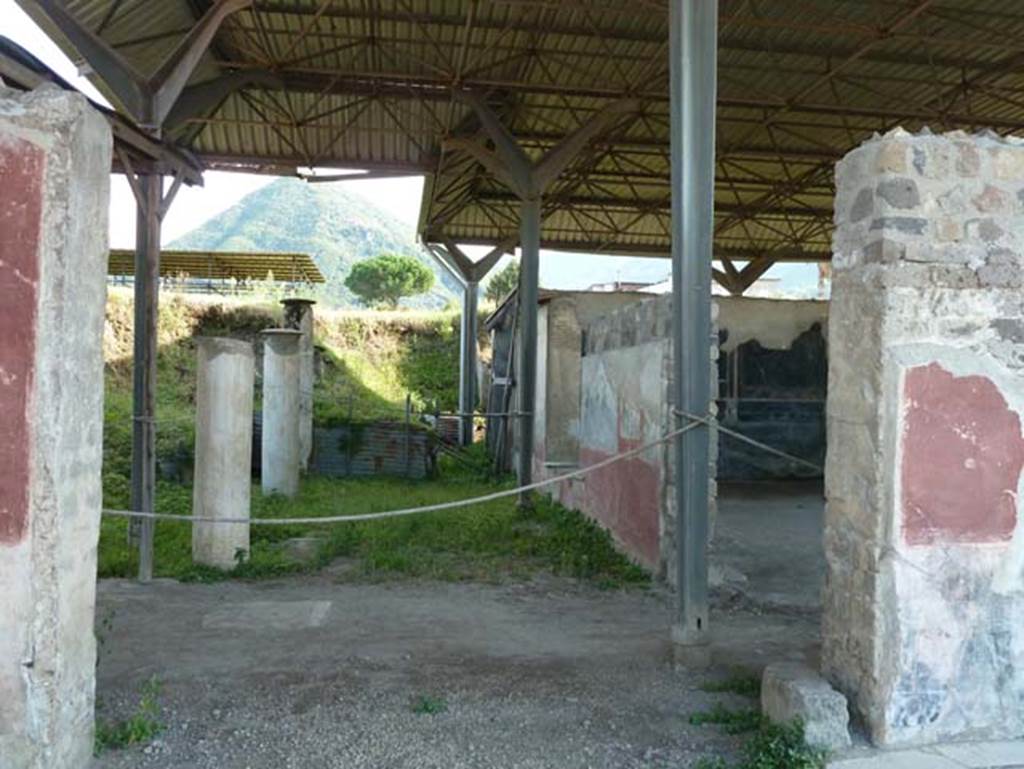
{"type": "Point", "coordinates": [148, 100]}
{"type": "Point", "coordinates": [511, 164]}
{"type": "Point", "coordinates": [169, 80]}
{"type": "Point", "coordinates": [129, 87]}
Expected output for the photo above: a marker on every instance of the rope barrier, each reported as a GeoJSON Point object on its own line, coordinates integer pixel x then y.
{"type": "Point", "coordinates": [695, 421]}
{"type": "Point", "coordinates": [412, 510]}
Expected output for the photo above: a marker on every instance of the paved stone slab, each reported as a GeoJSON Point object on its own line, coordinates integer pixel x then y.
{"type": "Point", "coordinates": [982, 755]}
{"type": "Point", "coordinates": [913, 759]}
{"type": "Point", "coordinates": [269, 615]}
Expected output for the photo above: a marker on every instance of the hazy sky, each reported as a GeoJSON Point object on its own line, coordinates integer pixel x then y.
{"type": "Point", "coordinates": [192, 206]}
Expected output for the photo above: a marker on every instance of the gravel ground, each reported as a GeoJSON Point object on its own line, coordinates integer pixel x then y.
{"type": "Point", "coordinates": [309, 673]}
{"type": "Point", "coordinates": [306, 673]}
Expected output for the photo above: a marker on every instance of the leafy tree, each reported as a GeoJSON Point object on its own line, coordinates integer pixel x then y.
{"type": "Point", "coordinates": [503, 283]}
{"type": "Point", "coordinates": [384, 279]}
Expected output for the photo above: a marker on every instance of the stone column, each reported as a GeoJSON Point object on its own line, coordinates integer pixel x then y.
{"type": "Point", "coordinates": [54, 195]}
{"type": "Point", "coordinates": [924, 599]}
{"type": "Point", "coordinates": [223, 462]}
{"type": "Point", "coordinates": [298, 314]}
{"type": "Point", "coordinates": [280, 461]}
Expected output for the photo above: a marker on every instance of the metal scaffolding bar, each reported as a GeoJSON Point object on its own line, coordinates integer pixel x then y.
{"type": "Point", "coordinates": [526, 380]}
{"type": "Point", "coordinates": [693, 52]}
{"type": "Point", "coordinates": [467, 361]}
{"type": "Point", "coordinates": [468, 274]}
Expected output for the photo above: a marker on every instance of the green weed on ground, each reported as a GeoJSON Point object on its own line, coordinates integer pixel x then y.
{"type": "Point", "coordinates": [489, 542]}
{"type": "Point", "coordinates": [428, 705]}
{"type": "Point", "coordinates": [140, 728]}
{"type": "Point", "coordinates": [732, 721]}
{"type": "Point", "coordinates": [739, 682]}
{"type": "Point", "coordinates": [773, 746]}
{"type": "Point", "coordinates": [770, 746]}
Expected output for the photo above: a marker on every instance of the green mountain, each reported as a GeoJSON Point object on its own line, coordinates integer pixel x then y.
{"type": "Point", "coordinates": [335, 226]}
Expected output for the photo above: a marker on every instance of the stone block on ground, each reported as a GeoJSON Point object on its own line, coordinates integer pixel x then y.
{"type": "Point", "coordinates": [302, 549]}
{"type": "Point", "coordinates": [792, 691]}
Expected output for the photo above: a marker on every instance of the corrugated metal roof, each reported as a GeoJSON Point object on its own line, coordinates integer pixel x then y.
{"type": "Point", "coordinates": [224, 265]}
{"type": "Point", "coordinates": [370, 85]}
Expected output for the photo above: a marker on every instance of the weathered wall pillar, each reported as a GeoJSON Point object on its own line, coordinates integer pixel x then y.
{"type": "Point", "coordinates": [54, 195]}
{"type": "Point", "coordinates": [223, 463]}
{"type": "Point", "coordinates": [298, 314]}
{"type": "Point", "coordinates": [280, 461]}
{"type": "Point", "coordinates": [924, 600]}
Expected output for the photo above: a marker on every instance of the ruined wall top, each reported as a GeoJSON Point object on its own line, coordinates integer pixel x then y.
{"type": "Point", "coordinates": [947, 208]}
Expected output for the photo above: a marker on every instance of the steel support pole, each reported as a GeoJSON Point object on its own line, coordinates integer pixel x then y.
{"type": "Point", "coordinates": [147, 285]}
{"type": "Point", "coordinates": [526, 376]}
{"type": "Point", "coordinates": [693, 32]}
{"type": "Point", "coordinates": [467, 361]}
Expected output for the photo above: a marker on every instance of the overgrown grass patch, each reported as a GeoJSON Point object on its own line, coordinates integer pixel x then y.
{"type": "Point", "coordinates": [370, 363]}
{"type": "Point", "coordinates": [139, 728]}
{"type": "Point", "coordinates": [491, 541]}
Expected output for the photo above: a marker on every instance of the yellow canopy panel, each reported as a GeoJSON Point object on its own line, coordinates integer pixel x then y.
{"type": "Point", "coordinates": [223, 265]}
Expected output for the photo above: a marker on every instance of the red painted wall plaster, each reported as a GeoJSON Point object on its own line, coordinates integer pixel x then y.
{"type": "Point", "coordinates": [962, 458]}
{"type": "Point", "coordinates": [21, 172]}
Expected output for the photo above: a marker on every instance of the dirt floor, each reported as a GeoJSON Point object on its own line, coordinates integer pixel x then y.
{"type": "Point", "coordinates": [548, 673]}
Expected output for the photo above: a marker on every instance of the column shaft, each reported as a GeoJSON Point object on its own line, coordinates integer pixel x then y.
{"type": "Point", "coordinates": [223, 459]}
{"type": "Point", "coordinates": [279, 460]}
{"type": "Point", "coordinates": [298, 315]}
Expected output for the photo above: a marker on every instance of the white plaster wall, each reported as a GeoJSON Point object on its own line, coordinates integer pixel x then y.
{"type": "Point", "coordinates": [774, 323]}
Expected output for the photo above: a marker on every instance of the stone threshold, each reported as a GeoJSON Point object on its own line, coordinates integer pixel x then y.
{"type": "Point", "coordinates": [968, 755]}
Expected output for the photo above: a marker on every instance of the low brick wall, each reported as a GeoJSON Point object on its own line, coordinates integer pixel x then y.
{"type": "Point", "coordinates": [373, 448]}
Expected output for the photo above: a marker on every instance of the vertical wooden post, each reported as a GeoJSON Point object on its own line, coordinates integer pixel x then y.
{"type": "Point", "coordinates": [149, 197]}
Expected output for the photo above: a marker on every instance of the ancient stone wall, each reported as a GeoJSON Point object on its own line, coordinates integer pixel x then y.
{"type": "Point", "coordinates": [55, 155]}
{"type": "Point", "coordinates": [924, 601]}
{"type": "Point", "coordinates": [625, 401]}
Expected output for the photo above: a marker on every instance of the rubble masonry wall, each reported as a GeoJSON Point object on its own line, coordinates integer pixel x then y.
{"type": "Point", "coordinates": [924, 599]}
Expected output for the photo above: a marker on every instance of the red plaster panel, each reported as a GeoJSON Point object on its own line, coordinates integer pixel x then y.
{"type": "Point", "coordinates": [21, 172]}
{"type": "Point", "coordinates": [625, 497]}
{"type": "Point", "coordinates": [962, 458]}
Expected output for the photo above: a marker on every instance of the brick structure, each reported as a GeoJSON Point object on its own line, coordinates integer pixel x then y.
{"type": "Point", "coordinates": [924, 600]}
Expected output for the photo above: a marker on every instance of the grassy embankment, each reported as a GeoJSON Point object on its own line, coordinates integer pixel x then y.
{"type": "Point", "coordinates": [372, 360]}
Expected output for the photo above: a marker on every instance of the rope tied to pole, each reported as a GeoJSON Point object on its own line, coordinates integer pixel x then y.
{"type": "Point", "coordinates": [695, 421]}
{"type": "Point", "coordinates": [714, 425]}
